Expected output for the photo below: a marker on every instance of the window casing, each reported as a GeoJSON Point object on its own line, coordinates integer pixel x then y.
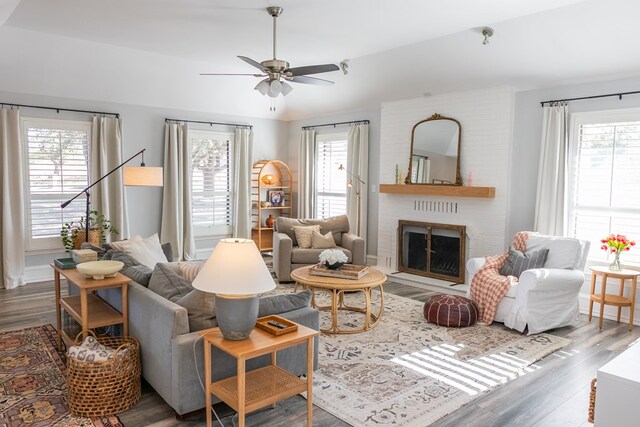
{"type": "Point", "coordinates": [56, 169]}
{"type": "Point", "coordinates": [331, 183]}
{"type": "Point", "coordinates": [212, 177]}
{"type": "Point", "coordinates": [604, 171]}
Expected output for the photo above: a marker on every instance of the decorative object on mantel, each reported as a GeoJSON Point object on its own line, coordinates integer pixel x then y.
{"type": "Point", "coordinates": [333, 258]}
{"type": "Point", "coordinates": [347, 271]}
{"type": "Point", "coordinates": [616, 243]}
{"type": "Point", "coordinates": [469, 182]}
{"type": "Point", "coordinates": [399, 179]}
{"type": "Point", "coordinates": [439, 190]}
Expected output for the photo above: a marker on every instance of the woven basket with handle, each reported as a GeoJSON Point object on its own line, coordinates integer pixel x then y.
{"type": "Point", "coordinates": [592, 400]}
{"type": "Point", "coordinates": [98, 389]}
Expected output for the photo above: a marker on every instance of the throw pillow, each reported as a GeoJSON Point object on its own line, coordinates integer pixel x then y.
{"type": "Point", "coordinates": [282, 303]}
{"type": "Point", "coordinates": [121, 244]}
{"type": "Point", "coordinates": [201, 309]}
{"type": "Point", "coordinates": [304, 233]}
{"type": "Point", "coordinates": [148, 251]}
{"type": "Point", "coordinates": [519, 262]}
{"type": "Point", "coordinates": [190, 269]}
{"type": "Point", "coordinates": [168, 284]}
{"type": "Point", "coordinates": [318, 241]}
{"type": "Point", "coordinates": [90, 350]}
{"type": "Point", "coordinates": [132, 268]}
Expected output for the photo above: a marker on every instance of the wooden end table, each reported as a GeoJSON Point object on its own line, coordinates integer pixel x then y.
{"type": "Point", "coordinates": [88, 309]}
{"type": "Point", "coordinates": [248, 391]}
{"type": "Point", "coordinates": [337, 287]}
{"type": "Point", "coordinates": [603, 298]}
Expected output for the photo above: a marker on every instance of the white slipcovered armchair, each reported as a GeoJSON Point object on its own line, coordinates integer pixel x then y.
{"type": "Point", "coordinates": [543, 298]}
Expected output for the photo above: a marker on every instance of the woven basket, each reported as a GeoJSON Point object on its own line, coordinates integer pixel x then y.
{"type": "Point", "coordinates": [592, 400]}
{"type": "Point", "coordinates": [98, 389]}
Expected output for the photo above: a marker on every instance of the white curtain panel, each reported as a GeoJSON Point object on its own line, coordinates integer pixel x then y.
{"type": "Point", "coordinates": [106, 153]}
{"type": "Point", "coordinates": [550, 213]}
{"type": "Point", "coordinates": [306, 173]}
{"type": "Point", "coordinates": [12, 215]}
{"type": "Point", "coordinates": [358, 160]}
{"type": "Point", "coordinates": [176, 193]}
{"type": "Point", "coordinates": [243, 151]}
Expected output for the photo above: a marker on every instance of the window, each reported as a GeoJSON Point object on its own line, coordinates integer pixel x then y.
{"type": "Point", "coordinates": [57, 153]}
{"type": "Point", "coordinates": [211, 182]}
{"type": "Point", "coordinates": [605, 168]}
{"type": "Point", "coordinates": [331, 183]}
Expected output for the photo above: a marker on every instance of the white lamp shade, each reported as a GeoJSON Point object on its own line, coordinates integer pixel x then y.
{"type": "Point", "coordinates": [286, 88]}
{"type": "Point", "coordinates": [263, 86]}
{"type": "Point", "coordinates": [143, 176]}
{"type": "Point", "coordinates": [275, 88]}
{"type": "Point", "coordinates": [235, 267]}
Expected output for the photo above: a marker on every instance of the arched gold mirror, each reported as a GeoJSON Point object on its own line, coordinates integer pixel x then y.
{"type": "Point", "coordinates": [435, 152]}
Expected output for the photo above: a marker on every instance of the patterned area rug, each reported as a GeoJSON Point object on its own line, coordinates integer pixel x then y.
{"type": "Point", "coordinates": [32, 382]}
{"type": "Point", "coordinates": [407, 372]}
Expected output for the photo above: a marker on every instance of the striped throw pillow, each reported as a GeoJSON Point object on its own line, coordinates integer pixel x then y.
{"type": "Point", "coordinates": [519, 261]}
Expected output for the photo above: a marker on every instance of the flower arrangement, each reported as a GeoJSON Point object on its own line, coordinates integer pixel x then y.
{"type": "Point", "coordinates": [616, 243]}
{"type": "Point", "coordinates": [333, 257]}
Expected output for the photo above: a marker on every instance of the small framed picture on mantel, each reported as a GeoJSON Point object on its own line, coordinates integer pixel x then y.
{"type": "Point", "coordinates": [276, 198]}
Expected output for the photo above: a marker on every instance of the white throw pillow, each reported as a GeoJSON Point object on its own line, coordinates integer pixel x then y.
{"type": "Point", "coordinates": [121, 244]}
{"type": "Point", "coordinates": [564, 252]}
{"type": "Point", "coordinates": [147, 251]}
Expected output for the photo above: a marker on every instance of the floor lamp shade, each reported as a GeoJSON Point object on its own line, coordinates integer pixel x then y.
{"type": "Point", "coordinates": [143, 176]}
{"type": "Point", "coordinates": [236, 273]}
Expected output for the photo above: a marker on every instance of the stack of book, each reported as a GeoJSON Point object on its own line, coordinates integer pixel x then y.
{"type": "Point", "coordinates": [84, 255]}
{"type": "Point", "coordinates": [64, 263]}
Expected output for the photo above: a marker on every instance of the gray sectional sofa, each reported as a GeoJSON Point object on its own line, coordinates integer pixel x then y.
{"type": "Point", "coordinates": [170, 352]}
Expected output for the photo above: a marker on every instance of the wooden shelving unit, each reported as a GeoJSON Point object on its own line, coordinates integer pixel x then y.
{"type": "Point", "coordinates": [260, 233]}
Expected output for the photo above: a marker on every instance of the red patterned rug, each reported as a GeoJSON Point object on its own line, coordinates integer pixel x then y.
{"type": "Point", "coordinates": [33, 390]}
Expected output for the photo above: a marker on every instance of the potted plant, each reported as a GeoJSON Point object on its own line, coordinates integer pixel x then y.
{"type": "Point", "coordinates": [72, 233]}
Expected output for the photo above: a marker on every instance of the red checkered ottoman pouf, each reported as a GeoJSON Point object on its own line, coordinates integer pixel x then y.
{"type": "Point", "coordinates": [451, 310]}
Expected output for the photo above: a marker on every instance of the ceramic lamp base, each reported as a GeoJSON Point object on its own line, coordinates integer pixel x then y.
{"type": "Point", "coordinates": [236, 315]}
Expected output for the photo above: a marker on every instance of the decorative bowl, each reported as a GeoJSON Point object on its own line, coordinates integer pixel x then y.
{"type": "Point", "coordinates": [100, 269]}
{"type": "Point", "coordinates": [334, 266]}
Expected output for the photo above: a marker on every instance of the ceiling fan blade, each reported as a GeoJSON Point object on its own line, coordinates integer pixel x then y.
{"type": "Point", "coordinates": [311, 81]}
{"type": "Point", "coordinates": [232, 74]}
{"type": "Point", "coordinates": [313, 69]}
{"type": "Point", "coordinates": [256, 64]}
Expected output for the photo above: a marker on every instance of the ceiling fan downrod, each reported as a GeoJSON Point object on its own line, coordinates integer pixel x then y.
{"type": "Point", "coordinates": [274, 11]}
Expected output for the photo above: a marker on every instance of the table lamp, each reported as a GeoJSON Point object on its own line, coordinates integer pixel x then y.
{"type": "Point", "coordinates": [236, 273]}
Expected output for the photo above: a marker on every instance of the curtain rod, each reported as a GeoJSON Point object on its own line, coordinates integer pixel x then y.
{"type": "Point", "coordinates": [209, 123]}
{"type": "Point", "coordinates": [619, 95]}
{"type": "Point", "coordinates": [337, 124]}
{"type": "Point", "coordinates": [58, 109]}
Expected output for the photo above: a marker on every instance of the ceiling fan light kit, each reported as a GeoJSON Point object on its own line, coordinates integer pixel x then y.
{"type": "Point", "coordinates": [278, 72]}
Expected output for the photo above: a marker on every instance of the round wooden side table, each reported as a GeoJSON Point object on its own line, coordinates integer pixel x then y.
{"type": "Point", "coordinates": [603, 298]}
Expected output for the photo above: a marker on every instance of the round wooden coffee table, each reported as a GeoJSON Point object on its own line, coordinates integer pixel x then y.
{"type": "Point", "coordinates": [337, 287]}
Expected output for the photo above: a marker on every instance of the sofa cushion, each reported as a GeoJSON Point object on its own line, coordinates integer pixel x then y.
{"type": "Point", "coordinates": [337, 225]}
{"type": "Point", "coordinates": [201, 309]}
{"type": "Point", "coordinates": [132, 268]}
{"type": "Point", "coordinates": [168, 283]}
{"type": "Point", "coordinates": [564, 252]}
{"type": "Point", "coordinates": [303, 234]}
{"type": "Point", "coordinates": [147, 251]}
{"type": "Point", "coordinates": [190, 269]}
{"type": "Point", "coordinates": [519, 262]}
{"type": "Point", "coordinates": [318, 241]}
{"type": "Point", "coordinates": [310, 256]}
{"type": "Point", "coordinates": [282, 303]}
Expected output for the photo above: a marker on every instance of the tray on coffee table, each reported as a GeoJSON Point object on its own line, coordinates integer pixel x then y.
{"type": "Point", "coordinates": [347, 271]}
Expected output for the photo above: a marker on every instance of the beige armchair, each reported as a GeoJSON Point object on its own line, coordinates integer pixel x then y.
{"type": "Point", "coordinates": [287, 255]}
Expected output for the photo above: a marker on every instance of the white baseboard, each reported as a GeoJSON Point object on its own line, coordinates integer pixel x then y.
{"type": "Point", "coordinates": [38, 273]}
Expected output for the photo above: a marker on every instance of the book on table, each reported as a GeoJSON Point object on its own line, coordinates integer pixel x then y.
{"type": "Point", "coordinates": [64, 263]}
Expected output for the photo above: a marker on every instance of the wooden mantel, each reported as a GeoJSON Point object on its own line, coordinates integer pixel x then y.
{"type": "Point", "coordinates": [439, 190]}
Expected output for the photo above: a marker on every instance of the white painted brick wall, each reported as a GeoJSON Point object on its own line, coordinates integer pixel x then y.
{"type": "Point", "coordinates": [486, 118]}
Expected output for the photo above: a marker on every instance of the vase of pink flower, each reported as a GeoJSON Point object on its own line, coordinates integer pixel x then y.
{"type": "Point", "coordinates": [616, 244]}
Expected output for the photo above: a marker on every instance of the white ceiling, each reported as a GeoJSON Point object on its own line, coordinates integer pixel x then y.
{"type": "Point", "coordinates": [397, 49]}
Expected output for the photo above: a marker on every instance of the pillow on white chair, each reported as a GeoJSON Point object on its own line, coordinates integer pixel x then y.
{"type": "Point", "coordinates": [147, 251]}
{"type": "Point", "coordinates": [564, 252]}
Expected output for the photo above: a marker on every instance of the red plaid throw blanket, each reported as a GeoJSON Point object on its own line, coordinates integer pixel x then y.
{"type": "Point", "coordinates": [488, 287]}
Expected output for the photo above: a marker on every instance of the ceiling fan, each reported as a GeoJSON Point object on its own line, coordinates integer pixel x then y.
{"type": "Point", "coordinates": [278, 73]}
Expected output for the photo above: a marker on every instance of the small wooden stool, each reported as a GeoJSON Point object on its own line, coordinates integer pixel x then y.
{"type": "Point", "coordinates": [603, 298]}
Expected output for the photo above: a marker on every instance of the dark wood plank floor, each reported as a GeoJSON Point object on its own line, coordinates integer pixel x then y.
{"type": "Point", "coordinates": [556, 394]}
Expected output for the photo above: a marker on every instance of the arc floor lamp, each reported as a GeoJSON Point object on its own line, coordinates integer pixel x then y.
{"type": "Point", "coordinates": [356, 186]}
{"type": "Point", "coordinates": [142, 176]}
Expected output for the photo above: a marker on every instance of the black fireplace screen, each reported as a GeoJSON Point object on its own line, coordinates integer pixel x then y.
{"type": "Point", "coordinates": [433, 250]}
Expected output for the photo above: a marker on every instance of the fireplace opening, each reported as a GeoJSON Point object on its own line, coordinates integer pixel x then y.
{"type": "Point", "coordinates": [432, 250]}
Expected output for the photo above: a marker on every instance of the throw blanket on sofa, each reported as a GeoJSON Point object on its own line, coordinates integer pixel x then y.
{"type": "Point", "coordinates": [488, 286]}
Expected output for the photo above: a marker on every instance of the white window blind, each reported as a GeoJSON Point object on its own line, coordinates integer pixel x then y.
{"type": "Point", "coordinates": [331, 183]}
{"type": "Point", "coordinates": [605, 195]}
{"type": "Point", "coordinates": [57, 169]}
{"type": "Point", "coordinates": [211, 182]}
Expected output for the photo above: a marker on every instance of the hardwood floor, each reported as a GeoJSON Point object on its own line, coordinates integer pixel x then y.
{"type": "Point", "coordinates": [556, 394]}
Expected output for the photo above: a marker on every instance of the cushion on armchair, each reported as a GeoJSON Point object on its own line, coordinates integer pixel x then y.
{"type": "Point", "coordinates": [336, 225]}
{"type": "Point", "coordinates": [519, 262]}
{"type": "Point", "coordinates": [564, 252]}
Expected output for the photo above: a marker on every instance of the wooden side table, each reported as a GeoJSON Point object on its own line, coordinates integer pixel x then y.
{"type": "Point", "coordinates": [248, 391]}
{"type": "Point", "coordinates": [603, 298]}
{"type": "Point", "coordinates": [88, 309]}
